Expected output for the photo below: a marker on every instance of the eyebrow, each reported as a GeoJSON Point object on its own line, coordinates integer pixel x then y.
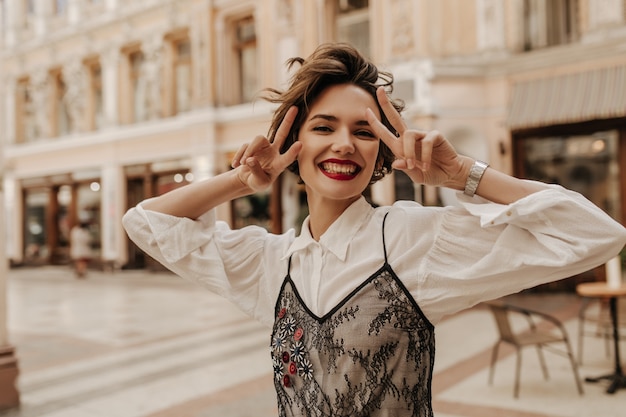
{"type": "Point", "coordinates": [332, 118]}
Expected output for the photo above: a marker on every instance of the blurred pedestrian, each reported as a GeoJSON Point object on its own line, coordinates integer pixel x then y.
{"type": "Point", "coordinates": [80, 248]}
{"type": "Point", "coordinates": [352, 301]}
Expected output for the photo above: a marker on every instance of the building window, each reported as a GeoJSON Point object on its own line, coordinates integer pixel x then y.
{"type": "Point", "coordinates": [246, 55]}
{"type": "Point", "coordinates": [182, 75]}
{"type": "Point", "coordinates": [353, 24]}
{"type": "Point", "coordinates": [549, 23]}
{"type": "Point", "coordinates": [95, 111]}
{"type": "Point", "coordinates": [25, 129]}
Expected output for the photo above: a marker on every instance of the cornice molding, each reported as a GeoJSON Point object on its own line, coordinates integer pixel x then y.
{"type": "Point", "coordinates": [505, 64]}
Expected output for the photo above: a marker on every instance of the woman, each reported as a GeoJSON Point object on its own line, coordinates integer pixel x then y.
{"type": "Point", "coordinates": [352, 301]}
{"type": "Point", "coordinates": [80, 248]}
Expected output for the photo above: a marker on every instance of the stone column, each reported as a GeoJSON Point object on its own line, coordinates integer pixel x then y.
{"type": "Point", "coordinates": [14, 17]}
{"type": "Point", "coordinates": [112, 198]}
{"type": "Point", "coordinates": [110, 62]}
{"type": "Point", "coordinates": [490, 25]}
{"type": "Point", "coordinates": [74, 10]}
{"type": "Point", "coordinates": [604, 13]}
{"type": "Point", "coordinates": [75, 78]}
{"type": "Point", "coordinates": [201, 37]}
{"type": "Point", "coordinates": [9, 395]}
{"type": "Point", "coordinates": [43, 12]}
{"type": "Point", "coordinates": [7, 118]}
{"type": "Point", "coordinates": [2, 26]}
{"type": "Point", "coordinates": [14, 219]}
{"type": "Point", "coordinates": [111, 4]}
{"type": "Point", "coordinates": [151, 75]}
{"type": "Point", "coordinates": [39, 92]}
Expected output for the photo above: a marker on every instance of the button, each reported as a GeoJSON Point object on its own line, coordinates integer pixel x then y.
{"type": "Point", "coordinates": [508, 213]}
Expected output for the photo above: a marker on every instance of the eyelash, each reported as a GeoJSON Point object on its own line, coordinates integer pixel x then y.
{"type": "Point", "coordinates": [327, 129]}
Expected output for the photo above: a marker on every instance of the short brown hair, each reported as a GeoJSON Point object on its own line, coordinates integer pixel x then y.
{"type": "Point", "coordinates": [330, 64]}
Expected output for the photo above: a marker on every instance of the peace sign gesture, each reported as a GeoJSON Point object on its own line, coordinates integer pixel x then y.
{"type": "Point", "coordinates": [260, 162]}
{"type": "Point", "coordinates": [426, 157]}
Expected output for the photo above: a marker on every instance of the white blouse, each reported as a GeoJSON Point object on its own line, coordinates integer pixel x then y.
{"type": "Point", "coordinates": [449, 258]}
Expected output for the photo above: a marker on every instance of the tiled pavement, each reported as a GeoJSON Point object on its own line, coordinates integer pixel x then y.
{"type": "Point", "coordinates": [141, 344]}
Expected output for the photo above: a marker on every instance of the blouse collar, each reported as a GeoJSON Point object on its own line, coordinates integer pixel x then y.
{"type": "Point", "coordinates": [339, 235]}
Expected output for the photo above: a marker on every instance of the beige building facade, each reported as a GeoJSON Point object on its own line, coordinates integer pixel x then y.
{"type": "Point", "coordinates": [106, 102]}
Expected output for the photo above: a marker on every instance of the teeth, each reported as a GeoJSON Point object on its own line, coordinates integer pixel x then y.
{"type": "Point", "coordinates": [335, 168]}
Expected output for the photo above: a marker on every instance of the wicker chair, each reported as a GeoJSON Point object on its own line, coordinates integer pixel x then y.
{"type": "Point", "coordinates": [542, 331]}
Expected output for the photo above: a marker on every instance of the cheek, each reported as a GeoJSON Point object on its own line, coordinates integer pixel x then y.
{"type": "Point", "coordinates": [374, 152]}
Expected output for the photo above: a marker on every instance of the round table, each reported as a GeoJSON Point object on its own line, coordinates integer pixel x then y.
{"type": "Point", "coordinates": [603, 290]}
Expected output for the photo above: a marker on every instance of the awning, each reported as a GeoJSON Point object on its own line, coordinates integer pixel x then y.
{"type": "Point", "coordinates": [591, 95]}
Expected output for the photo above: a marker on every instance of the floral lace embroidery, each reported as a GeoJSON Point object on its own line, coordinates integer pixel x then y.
{"type": "Point", "coordinates": [371, 356]}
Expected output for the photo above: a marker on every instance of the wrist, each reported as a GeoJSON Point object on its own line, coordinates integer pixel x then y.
{"type": "Point", "coordinates": [239, 184]}
{"type": "Point", "coordinates": [474, 176]}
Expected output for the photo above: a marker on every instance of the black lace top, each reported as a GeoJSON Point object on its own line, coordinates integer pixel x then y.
{"type": "Point", "coordinates": [372, 355]}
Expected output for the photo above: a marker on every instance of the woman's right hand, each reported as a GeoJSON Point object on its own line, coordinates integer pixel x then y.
{"type": "Point", "coordinates": [260, 162]}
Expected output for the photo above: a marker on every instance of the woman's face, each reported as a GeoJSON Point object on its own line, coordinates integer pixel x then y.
{"type": "Point", "coordinates": [339, 148]}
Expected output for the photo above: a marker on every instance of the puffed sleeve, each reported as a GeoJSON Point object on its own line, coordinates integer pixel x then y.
{"type": "Point", "coordinates": [484, 251]}
{"type": "Point", "coordinates": [231, 263]}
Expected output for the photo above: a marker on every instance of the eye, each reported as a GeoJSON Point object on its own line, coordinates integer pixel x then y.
{"type": "Point", "coordinates": [322, 128]}
{"type": "Point", "coordinates": [365, 134]}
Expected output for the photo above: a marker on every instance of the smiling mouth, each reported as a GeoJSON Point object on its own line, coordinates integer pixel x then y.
{"type": "Point", "coordinates": [338, 170]}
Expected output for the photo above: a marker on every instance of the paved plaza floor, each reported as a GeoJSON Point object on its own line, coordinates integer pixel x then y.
{"type": "Point", "coordinates": [142, 344]}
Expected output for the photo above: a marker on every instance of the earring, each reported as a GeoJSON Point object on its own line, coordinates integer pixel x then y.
{"type": "Point", "coordinates": [378, 174]}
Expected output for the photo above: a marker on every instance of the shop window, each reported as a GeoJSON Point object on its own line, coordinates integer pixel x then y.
{"type": "Point", "coordinates": [404, 187]}
{"type": "Point", "coordinates": [88, 202]}
{"type": "Point", "coordinates": [35, 231]}
{"type": "Point", "coordinates": [252, 209]}
{"type": "Point", "coordinates": [25, 130]}
{"type": "Point", "coordinates": [353, 24]}
{"type": "Point", "coordinates": [549, 23]}
{"type": "Point", "coordinates": [171, 181]}
{"type": "Point", "coordinates": [584, 163]}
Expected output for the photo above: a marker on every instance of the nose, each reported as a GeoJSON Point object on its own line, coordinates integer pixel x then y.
{"type": "Point", "coordinates": [343, 142]}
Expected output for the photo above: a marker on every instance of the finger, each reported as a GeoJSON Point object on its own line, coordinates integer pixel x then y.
{"type": "Point", "coordinates": [285, 127]}
{"type": "Point", "coordinates": [238, 155]}
{"type": "Point", "coordinates": [257, 170]}
{"type": "Point", "coordinates": [428, 144]}
{"type": "Point", "coordinates": [290, 155]}
{"type": "Point", "coordinates": [392, 114]}
{"type": "Point", "coordinates": [416, 175]}
{"type": "Point", "coordinates": [258, 143]}
{"type": "Point", "coordinates": [409, 140]}
{"type": "Point", "coordinates": [383, 133]}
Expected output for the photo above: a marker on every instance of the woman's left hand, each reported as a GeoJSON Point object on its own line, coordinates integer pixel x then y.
{"type": "Point", "coordinates": [426, 157]}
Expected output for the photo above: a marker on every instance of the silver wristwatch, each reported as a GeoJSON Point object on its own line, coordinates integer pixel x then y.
{"type": "Point", "coordinates": [475, 174]}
